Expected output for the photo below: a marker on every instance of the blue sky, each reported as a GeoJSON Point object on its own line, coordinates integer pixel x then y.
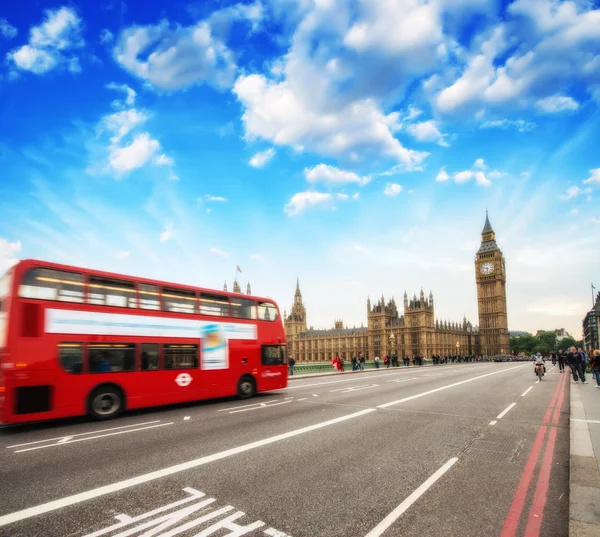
{"type": "Point", "coordinates": [352, 144]}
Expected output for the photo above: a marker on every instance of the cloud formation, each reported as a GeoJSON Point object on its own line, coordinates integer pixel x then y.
{"type": "Point", "coordinates": [261, 158]}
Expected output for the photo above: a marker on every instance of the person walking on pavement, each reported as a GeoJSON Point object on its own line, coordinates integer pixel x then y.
{"type": "Point", "coordinates": [561, 361]}
{"type": "Point", "coordinates": [575, 361]}
{"type": "Point", "coordinates": [291, 363]}
{"type": "Point", "coordinates": [596, 366]}
{"type": "Point", "coordinates": [376, 362]}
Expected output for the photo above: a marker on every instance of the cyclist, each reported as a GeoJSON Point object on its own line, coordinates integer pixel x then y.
{"type": "Point", "coordinates": [540, 362]}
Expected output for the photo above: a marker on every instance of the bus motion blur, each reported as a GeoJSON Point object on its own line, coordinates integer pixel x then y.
{"type": "Point", "coordinates": [75, 341]}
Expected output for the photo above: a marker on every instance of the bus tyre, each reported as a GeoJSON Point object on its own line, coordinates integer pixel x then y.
{"type": "Point", "coordinates": [246, 387]}
{"type": "Point", "coordinates": [105, 402]}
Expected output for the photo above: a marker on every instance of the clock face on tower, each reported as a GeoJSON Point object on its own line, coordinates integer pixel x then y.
{"type": "Point", "coordinates": [487, 268]}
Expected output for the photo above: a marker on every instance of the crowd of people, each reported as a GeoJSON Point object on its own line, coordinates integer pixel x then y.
{"type": "Point", "coordinates": [358, 362]}
{"type": "Point", "coordinates": [578, 361]}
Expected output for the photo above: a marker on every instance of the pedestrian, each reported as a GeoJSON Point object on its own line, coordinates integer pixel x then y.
{"type": "Point", "coordinates": [376, 362]}
{"type": "Point", "coordinates": [596, 366]}
{"type": "Point", "coordinates": [361, 361]}
{"type": "Point", "coordinates": [291, 363]}
{"type": "Point", "coordinates": [561, 361]}
{"type": "Point", "coordinates": [575, 361]}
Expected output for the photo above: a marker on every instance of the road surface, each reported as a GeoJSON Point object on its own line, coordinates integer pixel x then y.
{"type": "Point", "coordinates": [465, 450]}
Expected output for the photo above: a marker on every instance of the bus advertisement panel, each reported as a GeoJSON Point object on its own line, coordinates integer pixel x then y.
{"type": "Point", "coordinates": [87, 342]}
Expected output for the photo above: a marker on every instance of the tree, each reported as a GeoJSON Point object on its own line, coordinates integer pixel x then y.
{"type": "Point", "coordinates": [525, 343]}
{"type": "Point", "coordinates": [548, 339]}
{"type": "Point", "coordinates": [566, 343]}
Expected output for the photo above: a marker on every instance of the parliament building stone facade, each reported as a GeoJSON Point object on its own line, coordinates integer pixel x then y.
{"type": "Point", "coordinates": [415, 332]}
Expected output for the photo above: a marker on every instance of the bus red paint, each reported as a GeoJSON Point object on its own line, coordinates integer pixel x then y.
{"type": "Point", "coordinates": [75, 341]}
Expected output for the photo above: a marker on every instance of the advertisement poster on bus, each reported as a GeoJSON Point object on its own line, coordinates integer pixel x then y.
{"type": "Point", "coordinates": [215, 350]}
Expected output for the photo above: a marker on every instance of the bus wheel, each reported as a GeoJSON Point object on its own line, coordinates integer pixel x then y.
{"type": "Point", "coordinates": [105, 402]}
{"type": "Point", "coordinates": [246, 388]}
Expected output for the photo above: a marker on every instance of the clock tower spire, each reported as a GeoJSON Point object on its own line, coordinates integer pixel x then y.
{"type": "Point", "coordinates": [490, 276]}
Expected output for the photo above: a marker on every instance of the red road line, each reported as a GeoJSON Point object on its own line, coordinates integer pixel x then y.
{"type": "Point", "coordinates": [536, 515]}
{"type": "Point", "coordinates": [514, 514]}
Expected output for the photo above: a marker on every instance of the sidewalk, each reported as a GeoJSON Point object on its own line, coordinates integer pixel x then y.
{"type": "Point", "coordinates": [584, 464]}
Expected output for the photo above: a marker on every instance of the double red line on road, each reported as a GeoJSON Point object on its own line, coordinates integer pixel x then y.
{"type": "Point", "coordinates": [534, 522]}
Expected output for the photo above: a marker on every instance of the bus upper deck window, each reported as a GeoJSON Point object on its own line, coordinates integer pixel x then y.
{"type": "Point", "coordinates": [49, 284]}
{"type": "Point", "coordinates": [267, 311]}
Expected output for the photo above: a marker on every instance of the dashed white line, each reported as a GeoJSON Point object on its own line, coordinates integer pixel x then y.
{"type": "Point", "coordinates": [526, 391]}
{"type": "Point", "coordinates": [505, 411]}
{"type": "Point", "coordinates": [302, 399]}
{"type": "Point", "coordinates": [186, 418]}
{"type": "Point", "coordinates": [405, 505]}
{"type": "Point", "coordinates": [246, 406]}
{"type": "Point", "coordinates": [83, 434]}
{"type": "Point", "coordinates": [403, 380]}
{"type": "Point", "coordinates": [423, 394]}
{"type": "Point", "coordinates": [537, 381]}
{"type": "Point", "coordinates": [355, 388]}
{"type": "Point", "coordinates": [315, 395]}
{"type": "Point", "coordinates": [30, 512]}
{"type": "Point", "coordinates": [493, 422]}
{"type": "Point", "coordinates": [94, 437]}
{"type": "Point", "coordinates": [260, 407]}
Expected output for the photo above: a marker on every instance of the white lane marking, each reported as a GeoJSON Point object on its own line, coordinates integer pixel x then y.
{"type": "Point", "coordinates": [405, 505]}
{"type": "Point", "coordinates": [362, 377]}
{"type": "Point", "coordinates": [423, 394]}
{"type": "Point", "coordinates": [145, 478]}
{"type": "Point", "coordinates": [262, 405]}
{"type": "Point", "coordinates": [537, 381]}
{"type": "Point", "coordinates": [354, 388]}
{"type": "Point", "coordinates": [403, 380]}
{"type": "Point", "coordinates": [245, 406]}
{"type": "Point", "coordinates": [493, 422]}
{"type": "Point", "coordinates": [65, 439]}
{"type": "Point", "coordinates": [94, 437]}
{"type": "Point", "coordinates": [526, 391]}
{"type": "Point", "coordinates": [315, 395]}
{"type": "Point", "coordinates": [303, 399]}
{"type": "Point", "coordinates": [288, 398]}
{"type": "Point", "coordinates": [83, 434]}
{"type": "Point", "coordinates": [186, 418]}
{"type": "Point", "coordinates": [586, 421]}
{"type": "Point", "coordinates": [505, 411]}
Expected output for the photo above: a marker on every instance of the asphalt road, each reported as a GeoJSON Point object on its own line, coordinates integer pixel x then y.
{"type": "Point", "coordinates": [411, 452]}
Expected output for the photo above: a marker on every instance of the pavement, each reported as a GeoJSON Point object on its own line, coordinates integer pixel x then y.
{"type": "Point", "coordinates": [465, 450]}
{"type": "Point", "coordinates": [584, 503]}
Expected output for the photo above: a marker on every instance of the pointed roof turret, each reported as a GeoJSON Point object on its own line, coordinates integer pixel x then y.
{"type": "Point", "coordinates": [225, 287]}
{"type": "Point", "coordinates": [248, 291]}
{"type": "Point", "coordinates": [487, 228]}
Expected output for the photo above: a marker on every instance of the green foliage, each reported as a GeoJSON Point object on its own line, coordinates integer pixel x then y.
{"type": "Point", "coordinates": [545, 343]}
{"type": "Point", "coordinates": [525, 343]}
{"type": "Point", "coordinates": [567, 342]}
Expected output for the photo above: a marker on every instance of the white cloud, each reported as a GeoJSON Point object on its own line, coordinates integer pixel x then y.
{"type": "Point", "coordinates": [573, 192]}
{"type": "Point", "coordinates": [130, 94]}
{"type": "Point", "coordinates": [276, 113]}
{"type": "Point", "coordinates": [123, 254]}
{"type": "Point", "coordinates": [305, 200]}
{"type": "Point", "coordinates": [8, 254]}
{"type": "Point", "coordinates": [520, 124]}
{"type": "Point", "coordinates": [123, 122]}
{"type": "Point", "coordinates": [413, 112]}
{"type": "Point", "coordinates": [208, 197]}
{"type": "Point", "coordinates": [342, 196]}
{"type": "Point", "coordinates": [464, 176]}
{"type": "Point", "coordinates": [7, 30]}
{"type": "Point", "coordinates": [106, 36]}
{"type": "Point", "coordinates": [173, 57]}
{"type": "Point", "coordinates": [427, 131]}
{"type": "Point", "coordinates": [557, 103]}
{"type": "Point", "coordinates": [49, 42]}
{"type": "Point", "coordinates": [595, 220]}
{"type": "Point", "coordinates": [263, 157]}
{"type": "Point", "coordinates": [257, 257]}
{"type": "Point", "coordinates": [219, 253]}
{"type": "Point", "coordinates": [166, 235]}
{"type": "Point", "coordinates": [134, 155]}
{"type": "Point", "coordinates": [392, 189]}
{"type": "Point", "coordinates": [479, 164]}
{"type": "Point", "coordinates": [574, 211]}
{"type": "Point", "coordinates": [442, 175]}
{"type": "Point", "coordinates": [324, 173]}
{"type": "Point", "coordinates": [361, 249]}
{"type": "Point", "coordinates": [594, 178]}
{"type": "Point", "coordinates": [355, 196]}
{"type": "Point", "coordinates": [164, 160]}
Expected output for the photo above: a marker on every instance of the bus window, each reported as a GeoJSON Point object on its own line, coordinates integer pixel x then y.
{"type": "Point", "coordinates": [149, 356]}
{"type": "Point", "coordinates": [149, 297]}
{"type": "Point", "coordinates": [48, 284]}
{"type": "Point", "coordinates": [106, 292]}
{"type": "Point", "coordinates": [111, 357]}
{"type": "Point", "coordinates": [214, 305]}
{"type": "Point", "coordinates": [267, 311]}
{"type": "Point", "coordinates": [179, 301]}
{"type": "Point", "coordinates": [71, 357]}
{"type": "Point", "coordinates": [273, 355]}
{"type": "Point", "coordinates": [180, 356]}
{"type": "Point", "coordinates": [243, 308]}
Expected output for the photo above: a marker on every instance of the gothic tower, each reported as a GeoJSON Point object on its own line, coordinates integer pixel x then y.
{"type": "Point", "coordinates": [490, 275]}
{"type": "Point", "coordinates": [296, 320]}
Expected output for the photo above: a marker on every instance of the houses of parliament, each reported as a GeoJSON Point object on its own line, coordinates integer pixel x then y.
{"type": "Point", "coordinates": [415, 332]}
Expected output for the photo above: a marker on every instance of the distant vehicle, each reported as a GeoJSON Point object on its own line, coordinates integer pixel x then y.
{"type": "Point", "coordinates": [75, 341]}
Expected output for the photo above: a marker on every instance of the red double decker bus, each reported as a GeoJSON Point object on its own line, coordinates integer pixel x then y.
{"type": "Point", "coordinates": [75, 341]}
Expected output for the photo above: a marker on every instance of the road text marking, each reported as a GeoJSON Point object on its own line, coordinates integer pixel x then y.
{"type": "Point", "coordinates": [30, 512]}
{"type": "Point", "coordinates": [396, 513]}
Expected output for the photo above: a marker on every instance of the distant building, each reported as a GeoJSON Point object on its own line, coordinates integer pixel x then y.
{"type": "Point", "coordinates": [517, 333]}
{"type": "Point", "coordinates": [591, 326]}
{"type": "Point", "coordinates": [561, 333]}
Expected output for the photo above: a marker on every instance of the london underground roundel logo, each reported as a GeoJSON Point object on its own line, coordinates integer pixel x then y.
{"type": "Point", "coordinates": [183, 379]}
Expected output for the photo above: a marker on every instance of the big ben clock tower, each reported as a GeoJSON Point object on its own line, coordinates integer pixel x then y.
{"type": "Point", "coordinates": [490, 275]}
